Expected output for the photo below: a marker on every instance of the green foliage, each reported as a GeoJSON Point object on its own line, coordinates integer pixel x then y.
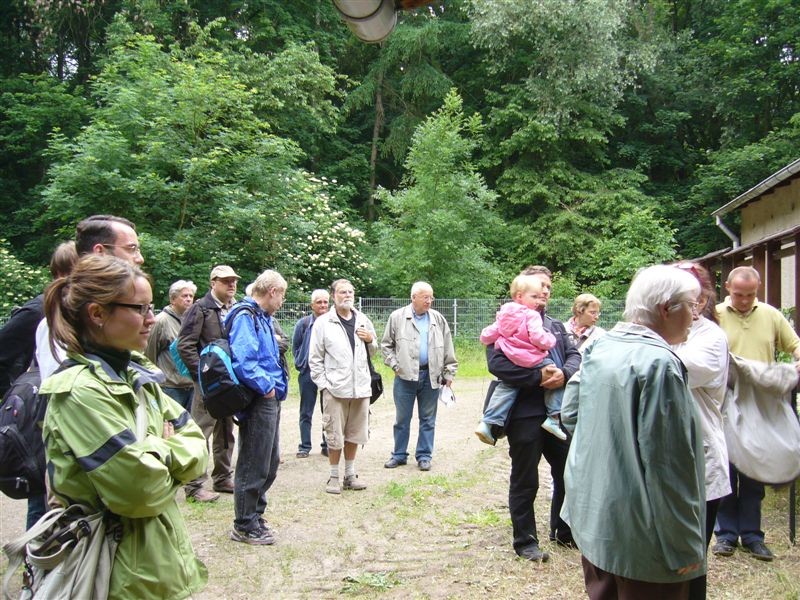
{"type": "Point", "coordinates": [440, 220]}
{"type": "Point", "coordinates": [183, 145]}
{"type": "Point", "coordinates": [21, 282]}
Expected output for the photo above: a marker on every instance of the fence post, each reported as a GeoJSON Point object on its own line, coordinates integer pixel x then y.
{"type": "Point", "coordinates": [455, 317]}
{"type": "Point", "coordinates": [359, 304]}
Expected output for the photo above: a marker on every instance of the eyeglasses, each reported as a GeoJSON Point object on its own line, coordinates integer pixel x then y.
{"type": "Point", "coordinates": [132, 249]}
{"type": "Point", "coordinates": [695, 306]}
{"type": "Point", "coordinates": [142, 309]}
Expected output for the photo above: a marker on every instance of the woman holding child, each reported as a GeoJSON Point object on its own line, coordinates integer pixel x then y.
{"type": "Point", "coordinates": [114, 440]}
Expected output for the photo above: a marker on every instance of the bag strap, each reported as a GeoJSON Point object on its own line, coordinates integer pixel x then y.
{"type": "Point", "coordinates": [369, 360]}
{"type": "Point", "coordinates": [234, 312]}
{"type": "Point", "coordinates": [15, 550]}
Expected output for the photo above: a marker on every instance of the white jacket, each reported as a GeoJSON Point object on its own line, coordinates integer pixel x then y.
{"type": "Point", "coordinates": [762, 432]}
{"type": "Point", "coordinates": [334, 365]}
{"type": "Point", "coordinates": [705, 355]}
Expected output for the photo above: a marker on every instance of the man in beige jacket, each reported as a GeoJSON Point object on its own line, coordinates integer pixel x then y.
{"type": "Point", "coordinates": [337, 358]}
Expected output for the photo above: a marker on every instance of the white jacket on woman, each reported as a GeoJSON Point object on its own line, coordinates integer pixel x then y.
{"type": "Point", "coordinates": [705, 355]}
{"type": "Point", "coordinates": [335, 366]}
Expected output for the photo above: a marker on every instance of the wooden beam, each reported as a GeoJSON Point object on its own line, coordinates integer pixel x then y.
{"type": "Point", "coordinates": [773, 274]}
{"type": "Point", "coordinates": [759, 264]}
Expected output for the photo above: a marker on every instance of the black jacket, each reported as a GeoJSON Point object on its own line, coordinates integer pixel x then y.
{"type": "Point", "coordinates": [530, 400]}
{"type": "Point", "coordinates": [18, 341]}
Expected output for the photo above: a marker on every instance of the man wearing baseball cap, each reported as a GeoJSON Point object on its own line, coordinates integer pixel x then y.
{"type": "Point", "coordinates": [202, 324]}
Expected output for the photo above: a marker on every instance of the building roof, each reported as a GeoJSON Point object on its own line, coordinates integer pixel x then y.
{"type": "Point", "coordinates": [786, 173]}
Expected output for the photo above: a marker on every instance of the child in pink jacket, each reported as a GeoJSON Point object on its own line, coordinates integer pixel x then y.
{"type": "Point", "coordinates": [518, 332]}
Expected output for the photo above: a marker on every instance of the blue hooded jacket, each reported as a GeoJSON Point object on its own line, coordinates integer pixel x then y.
{"type": "Point", "coordinates": [254, 351]}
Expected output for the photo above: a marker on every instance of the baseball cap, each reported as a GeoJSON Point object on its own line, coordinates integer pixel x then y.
{"type": "Point", "coordinates": [223, 271]}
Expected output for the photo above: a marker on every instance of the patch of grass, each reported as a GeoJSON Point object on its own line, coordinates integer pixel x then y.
{"type": "Point", "coordinates": [471, 355]}
{"type": "Point", "coordinates": [369, 582]}
{"type": "Point", "coordinates": [396, 491]}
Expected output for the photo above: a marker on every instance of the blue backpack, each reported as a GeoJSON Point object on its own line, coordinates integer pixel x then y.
{"type": "Point", "coordinates": [176, 358]}
{"type": "Point", "coordinates": [223, 395]}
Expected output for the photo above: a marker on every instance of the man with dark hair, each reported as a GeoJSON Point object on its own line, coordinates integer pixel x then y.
{"type": "Point", "coordinates": [527, 440]}
{"type": "Point", "coordinates": [107, 234]}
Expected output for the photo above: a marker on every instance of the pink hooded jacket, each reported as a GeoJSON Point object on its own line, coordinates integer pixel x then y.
{"type": "Point", "coordinates": [518, 332]}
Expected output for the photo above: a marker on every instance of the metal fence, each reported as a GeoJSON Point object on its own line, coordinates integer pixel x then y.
{"type": "Point", "coordinates": [467, 316]}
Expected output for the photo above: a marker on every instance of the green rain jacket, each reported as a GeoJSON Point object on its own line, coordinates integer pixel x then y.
{"type": "Point", "coordinates": [96, 457]}
{"type": "Point", "coordinates": [634, 480]}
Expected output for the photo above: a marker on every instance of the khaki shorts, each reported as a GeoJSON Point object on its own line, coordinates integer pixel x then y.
{"type": "Point", "coordinates": [344, 420]}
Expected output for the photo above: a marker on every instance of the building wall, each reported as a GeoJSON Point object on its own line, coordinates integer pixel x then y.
{"type": "Point", "coordinates": [776, 211]}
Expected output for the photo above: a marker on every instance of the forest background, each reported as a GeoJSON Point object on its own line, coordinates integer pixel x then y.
{"type": "Point", "coordinates": [593, 136]}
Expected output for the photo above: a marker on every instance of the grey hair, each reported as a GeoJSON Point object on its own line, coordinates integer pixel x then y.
{"type": "Point", "coordinates": [176, 288]}
{"type": "Point", "coordinates": [657, 286]}
{"type": "Point", "coordinates": [267, 280]}
{"type": "Point", "coordinates": [746, 273]}
{"type": "Point", "coordinates": [318, 293]}
{"type": "Point", "coordinates": [420, 286]}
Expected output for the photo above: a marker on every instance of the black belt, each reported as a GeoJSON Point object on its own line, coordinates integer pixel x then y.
{"type": "Point", "coordinates": [423, 367]}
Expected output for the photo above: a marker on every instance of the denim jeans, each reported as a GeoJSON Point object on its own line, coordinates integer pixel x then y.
{"type": "Point", "coordinates": [739, 513]}
{"type": "Point", "coordinates": [500, 404]}
{"type": "Point", "coordinates": [182, 396]}
{"type": "Point", "coordinates": [405, 392]}
{"type": "Point", "coordinates": [258, 460]}
{"type": "Point", "coordinates": [308, 400]}
{"type": "Point", "coordinates": [37, 506]}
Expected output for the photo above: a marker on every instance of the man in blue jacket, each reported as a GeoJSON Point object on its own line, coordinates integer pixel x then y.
{"type": "Point", "coordinates": [308, 389]}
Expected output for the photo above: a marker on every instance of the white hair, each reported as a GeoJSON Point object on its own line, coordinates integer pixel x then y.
{"type": "Point", "coordinates": [420, 286]}
{"type": "Point", "coordinates": [319, 293]}
{"type": "Point", "coordinates": [655, 287]}
{"type": "Point", "coordinates": [176, 288]}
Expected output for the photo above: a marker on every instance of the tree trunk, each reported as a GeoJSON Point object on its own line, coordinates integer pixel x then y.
{"type": "Point", "coordinates": [373, 159]}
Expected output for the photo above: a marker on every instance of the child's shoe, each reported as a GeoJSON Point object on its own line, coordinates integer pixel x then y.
{"type": "Point", "coordinates": [484, 434]}
{"type": "Point", "coordinates": [551, 425]}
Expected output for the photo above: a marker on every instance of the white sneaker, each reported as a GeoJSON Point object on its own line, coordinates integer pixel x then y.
{"type": "Point", "coordinates": [551, 425]}
{"type": "Point", "coordinates": [484, 433]}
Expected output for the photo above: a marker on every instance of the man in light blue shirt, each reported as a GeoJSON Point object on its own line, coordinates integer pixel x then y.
{"type": "Point", "coordinates": [418, 347]}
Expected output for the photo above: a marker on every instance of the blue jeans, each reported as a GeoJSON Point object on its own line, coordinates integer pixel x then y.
{"type": "Point", "coordinates": [308, 400]}
{"type": "Point", "coordinates": [37, 506]}
{"type": "Point", "coordinates": [500, 404]}
{"type": "Point", "coordinates": [182, 396]}
{"type": "Point", "coordinates": [405, 392]}
{"type": "Point", "coordinates": [739, 513]}
{"type": "Point", "coordinates": [504, 395]}
{"type": "Point", "coordinates": [257, 464]}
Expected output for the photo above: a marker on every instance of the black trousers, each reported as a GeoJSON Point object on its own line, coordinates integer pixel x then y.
{"type": "Point", "coordinates": [528, 442]}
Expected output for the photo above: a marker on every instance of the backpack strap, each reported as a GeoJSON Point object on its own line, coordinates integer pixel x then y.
{"type": "Point", "coordinates": [234, 312]}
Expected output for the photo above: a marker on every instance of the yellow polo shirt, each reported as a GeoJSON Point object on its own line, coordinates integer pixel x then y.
{"type": "Point", "coordinates": [759, 334]}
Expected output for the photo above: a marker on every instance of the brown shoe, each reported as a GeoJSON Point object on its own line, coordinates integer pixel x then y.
{"type": "Point", "coordinates": [202, 495]}
{"type": "Point", "coordinates": [226, 487]}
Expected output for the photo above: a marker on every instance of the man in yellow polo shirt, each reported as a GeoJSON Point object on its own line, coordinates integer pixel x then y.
{"type": "Point", "coordinates": [755, 331]}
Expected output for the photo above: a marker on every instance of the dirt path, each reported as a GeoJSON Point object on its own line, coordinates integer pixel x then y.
{"type": "Point", "coordinates": [440, 534]}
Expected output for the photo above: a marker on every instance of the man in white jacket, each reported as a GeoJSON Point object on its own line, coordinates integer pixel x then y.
{"type": "Point", "coordinates": [337, 358]}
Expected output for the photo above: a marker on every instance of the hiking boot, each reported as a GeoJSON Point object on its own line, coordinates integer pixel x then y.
{"type": "Point", "coordinates": [301, 454]}
{"type": "Point", "coordinates": [759, 550]}
{"type": "Point", "coordinates": [723, 548]}
{"type": "Point", "coordinates": [532, 552]}
{"type": "Point", "coordinates": [484, 434]}
{"type": "Point", "coordinates": [424, 464]}
{"type": "Point", "coordinates": [351, 482]}
{"type": "Point", "coordinates": [393, 463]}
{"type": "Point", "coordinates": [256, 537]}
{"type": "Point", "coordinates": [552, 426]}
{"type": "Point", "coordinates": [333, 486]}
{"type": "Point", "coordinates": [202, 495]}
{"type": "Point", "coordinates": [226, 487]}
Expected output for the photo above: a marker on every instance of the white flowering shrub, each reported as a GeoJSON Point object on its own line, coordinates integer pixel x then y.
{"type": "Point", "coordinates": [319, 242]}
{"type": "Point", "coordinates": [21, 281]}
